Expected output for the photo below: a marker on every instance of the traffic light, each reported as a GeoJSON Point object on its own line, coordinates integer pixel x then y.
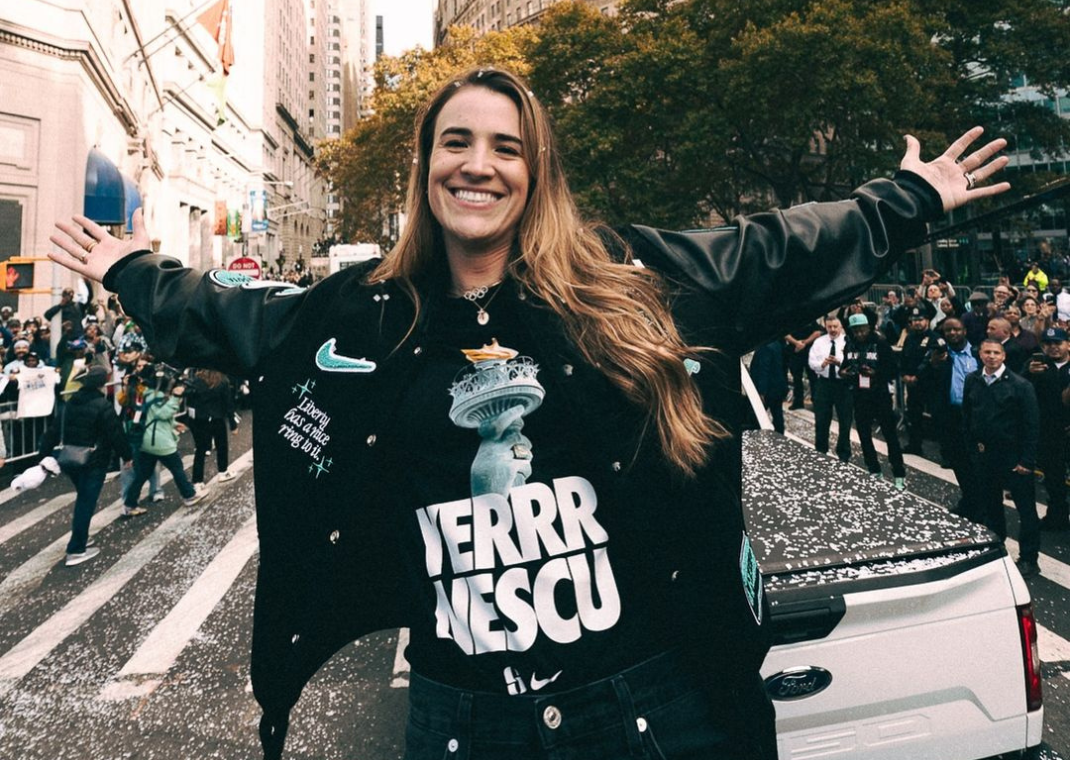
{"type": "Point", "coordinates": [18, 275]}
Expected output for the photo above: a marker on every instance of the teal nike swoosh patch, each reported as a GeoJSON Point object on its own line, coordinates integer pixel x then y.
{"type": "Point", "coordinates": [329, 361]}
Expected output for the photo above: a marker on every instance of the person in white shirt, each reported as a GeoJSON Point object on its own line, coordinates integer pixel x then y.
{"type": "Point", "coordinates": [830, 393]}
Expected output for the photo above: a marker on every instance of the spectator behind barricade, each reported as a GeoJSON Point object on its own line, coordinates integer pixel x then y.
{"type": "Point", "coordinates": [210, 413]}
{"type": "Point", "coordinates": [949, 307]}
{"type": "Point", "coordinates": [1027, 339]}
{"type": "Point", "coordinates": [951, 359]}
{"type": "Point", "coordinates": [159, 443]}
{"type": "Point", "coordinates": [74, 362]}
{"type": "Point", "coordinates": [1003, 294]}
{"type": "Point", "coordinates": [131, 339]}
{"type": "Point", "coordinates": [18, 355]}
{"type": "Point", "coordinates": [42, 344]}
{"type": "Point", "coordinates": [831, 391]}
{"type": "Point", "coordinates": [69, 311]}
{"type": "Point", "coordinates": [999, 329]}
{"type": "Point", "coordinates": [98, 346]}
{"type": "Point", "coordinates": [1062, 305]}
{"type": "Point", "coordinates": [870, 368]}
{"type": "Point", "coordinates": [899, 316]}
{"type": "Point", "coordinates": [1030, 319]}
{"type": "Point", "coordinates": [798, 349]}
{"type": "Point", "coordinates": [1036, 276]}
{"type": "Point", "coordinates": [913, 359]}
{"type": "Point", "coordinates": [87, 420]}
{"type": "Point", "coordinates": [5, 314]}
{"type": "Point", "coordinates": [1049, 372]}
{"type": "Point", "coordinates": [770, 380]}
{"type": "Point", "coordinates": [933, 296]}
{"type": "Point", "coordinates": [1002, 426]}
{"type": "Point", "coordinates": [890, 303]}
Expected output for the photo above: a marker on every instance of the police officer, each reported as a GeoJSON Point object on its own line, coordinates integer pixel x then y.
{"type": "Point", "coordinates": [869, 367]}
{"type": "Point", "coordinates": [913, 361]}
{"type": "Point", "coordinates": [1049, 372]}
{"type": "Point", "coordinates": [1002, 426]}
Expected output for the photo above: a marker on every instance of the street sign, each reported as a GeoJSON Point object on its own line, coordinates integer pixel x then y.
{"type": "Point", "coordinates": [258, 210]}
{"type": "Point", "coordinates": [245, 265]}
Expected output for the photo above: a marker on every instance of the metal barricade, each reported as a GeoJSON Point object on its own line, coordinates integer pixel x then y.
{"type": "Point", "coordinates": [22, 435]}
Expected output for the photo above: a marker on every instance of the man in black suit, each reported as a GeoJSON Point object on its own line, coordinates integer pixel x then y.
{"type": "Point", "coordinates": [1050, 375]}
{"type": "Point", "coordinates": [1002, 427]}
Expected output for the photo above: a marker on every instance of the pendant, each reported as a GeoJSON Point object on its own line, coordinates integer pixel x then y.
{"type": "Point", "coordinates": [482, 317]}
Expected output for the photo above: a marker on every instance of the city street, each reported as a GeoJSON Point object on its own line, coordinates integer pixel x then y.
{"type": "Point", "coordinates": [143, 652]}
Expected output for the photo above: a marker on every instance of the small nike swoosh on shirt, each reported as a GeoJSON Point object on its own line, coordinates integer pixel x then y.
{"type": "Point", "coordinates": [538, 683]}
{"type": "Point", "coordinates": [330, 361]}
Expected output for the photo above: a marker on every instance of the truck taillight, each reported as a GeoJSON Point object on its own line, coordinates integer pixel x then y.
{"type": "Point", "coordinates": [1027, 625]}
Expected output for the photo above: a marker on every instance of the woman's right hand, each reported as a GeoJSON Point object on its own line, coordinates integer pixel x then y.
{"type": "Point", "coordinates": [90, 250]}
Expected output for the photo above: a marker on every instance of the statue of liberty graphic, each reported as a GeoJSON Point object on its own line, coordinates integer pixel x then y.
{"type": "Point", "coordinates": [493, 396]}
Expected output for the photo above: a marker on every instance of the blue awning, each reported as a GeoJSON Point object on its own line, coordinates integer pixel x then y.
{"type": "Point", "coordinates": [133, 201]}
{"type": "Point", "coordinates": [104, 197]}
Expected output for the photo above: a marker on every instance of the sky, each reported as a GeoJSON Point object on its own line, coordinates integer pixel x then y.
{"type": "Point", "coordinates": [406, 23]}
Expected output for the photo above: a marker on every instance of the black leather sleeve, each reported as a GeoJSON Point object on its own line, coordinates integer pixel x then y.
{"type": "Point", "coordinates": [198, 318]}
{"type": "Point", "coordinates": [767, 273]}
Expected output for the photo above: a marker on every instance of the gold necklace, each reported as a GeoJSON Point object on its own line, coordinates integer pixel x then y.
{"type": "Point", "coordinates": [474, 294]}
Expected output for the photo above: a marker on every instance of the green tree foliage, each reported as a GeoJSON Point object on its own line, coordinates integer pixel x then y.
{"type": "Point", "coordinates": [678, 111]}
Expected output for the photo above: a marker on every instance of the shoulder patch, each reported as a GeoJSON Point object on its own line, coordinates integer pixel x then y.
{"type": "Point", "coordinates": [226, 279]}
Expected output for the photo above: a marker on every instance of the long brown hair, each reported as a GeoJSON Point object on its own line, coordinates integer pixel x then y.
{"type": "Point", "coordinates": [615, 314]}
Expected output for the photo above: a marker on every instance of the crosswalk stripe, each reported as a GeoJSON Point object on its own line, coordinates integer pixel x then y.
{"type": "Point", "coordinates": [40, 642]}
{"type": "Point", "coordinates": [37, 514]}
{"type": "Point", "coordinates": [143, 672]}
{"type": "Point", "coordinates": [27, 576]}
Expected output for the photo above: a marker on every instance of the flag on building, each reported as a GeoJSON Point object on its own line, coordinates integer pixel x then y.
{"type": "Point", "coordinates": [218, 21]}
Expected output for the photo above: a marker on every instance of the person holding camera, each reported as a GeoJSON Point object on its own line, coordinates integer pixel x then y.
{"type": "Point", "coordinates": [159, 443]}
{"type": "Point", "coordinates": [951, 359]}
{"type": "Point", "coordinates": [1049, 373]}
{"type": "Point", "coordinates": [870, 367]}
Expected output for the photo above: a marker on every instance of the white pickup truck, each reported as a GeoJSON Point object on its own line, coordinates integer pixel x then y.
{"type": "Point", "coordinates": [902, 632]}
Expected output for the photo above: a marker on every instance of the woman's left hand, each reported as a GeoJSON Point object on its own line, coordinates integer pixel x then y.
{"type": "Point", "coordinates": [951, 173]}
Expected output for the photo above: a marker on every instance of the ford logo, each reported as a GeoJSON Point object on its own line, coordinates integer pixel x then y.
{"type": "Point", "coordinates": [797, 683]}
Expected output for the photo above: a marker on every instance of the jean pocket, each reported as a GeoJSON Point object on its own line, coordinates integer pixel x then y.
{"type": "Point", "coordinates": [685, 729]}
{"type": "Point", "coordinates": [424, 744]}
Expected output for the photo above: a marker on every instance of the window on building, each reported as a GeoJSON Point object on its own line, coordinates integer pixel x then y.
{"type": "Point", "coordinates": [312, 76]}
{"type": "Point", "coordinates": [311, 57]}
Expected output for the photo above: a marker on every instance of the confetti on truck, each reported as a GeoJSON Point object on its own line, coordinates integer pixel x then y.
{"type": "Point", "coordinates": [902, 632]}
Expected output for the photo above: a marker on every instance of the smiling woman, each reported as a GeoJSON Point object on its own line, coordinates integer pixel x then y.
{"type": "Point", "coordinates": [543, 488]}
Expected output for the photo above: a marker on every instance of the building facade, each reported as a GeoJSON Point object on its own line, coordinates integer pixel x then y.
{"type": "Point", "coordinates": [494, 15]}
{"type": "Point", "coordinates": [108, 105]}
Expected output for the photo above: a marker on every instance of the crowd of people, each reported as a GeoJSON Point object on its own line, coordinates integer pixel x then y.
{"type": "Point", "coordinates": [95, 399]}
{"type": "Point", "coordinates": [985, 378]}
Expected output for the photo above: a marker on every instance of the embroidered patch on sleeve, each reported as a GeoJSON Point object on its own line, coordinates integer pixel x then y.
{"type": "Point", "coordinates": [227, 279]}
{"type": "Point", "coordinates": [751, 578]}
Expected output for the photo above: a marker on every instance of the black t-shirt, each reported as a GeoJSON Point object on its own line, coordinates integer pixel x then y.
{"type": "Point", "coordinates": [511, 550]}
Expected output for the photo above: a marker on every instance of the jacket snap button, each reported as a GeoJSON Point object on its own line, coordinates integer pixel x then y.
{"type": "Point", "coordinates": [371, 439]}
{"type": "Point", "coordinates": [386, 296]}
{"type": "Point", "coordinates": [551, 716]}
{"type": "Point", "coordinates": [417, 351]}
{"type": "Point", "coordinates": [453, 745]}
{"type": "Point", "coordinates": [615, 467]}
{"type": "Point", "coordinates": [296, 638]}
{"type": "Point", "coordinates": [522, 295]}
{"type": "Point", "coordinates": [376, 297]}
{"type": "Point", "coordinates": [335, 535]}
{"type": "Point", "coordinates": [567, 369]}
{"type": "Point", "coordinates": [675, 574]}
{"type": "Point", "coordinates": [641, 724]}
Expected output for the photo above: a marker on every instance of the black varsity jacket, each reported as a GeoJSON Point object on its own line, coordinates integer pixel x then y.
{"type": "Point", "coordinates": [337, 355]}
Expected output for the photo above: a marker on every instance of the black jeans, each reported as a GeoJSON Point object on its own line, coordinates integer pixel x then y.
{"type": "Point", "coordinates": [205, 433]}
{"type": "Point", "coordinates": [875, 406]}
{"type": "Point", "coordinates": [832, 395]}
{"type": "Point", "coordinates": [995, 472]}
{"type": "Point", "coordinates": [657, 710]}
{"type": "Point", "coordinates": [88, 483]}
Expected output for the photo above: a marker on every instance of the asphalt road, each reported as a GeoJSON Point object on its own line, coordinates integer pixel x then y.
{"type": "Point", "coordinates": [143, 652]}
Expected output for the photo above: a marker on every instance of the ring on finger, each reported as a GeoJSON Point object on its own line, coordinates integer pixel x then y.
{"type": "Point", "coordinates": [81, 257]}
{"type": "Point", "coordinates": [90, 246]}
{"type": "Point", "coordinates": [971, 180]}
